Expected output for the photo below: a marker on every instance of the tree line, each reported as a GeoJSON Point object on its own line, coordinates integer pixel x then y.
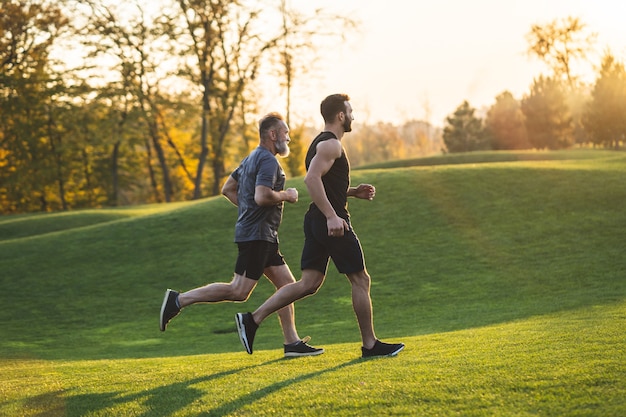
{"type": "Point", "coordinates": [559, 111]}
{"type": "Point", "coordinates": [107, 103]}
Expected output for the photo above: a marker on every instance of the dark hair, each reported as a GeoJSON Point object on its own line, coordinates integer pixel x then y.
{"type": "Point", "coordinates": [269, 122]}
{"type": "Point", "coordinates": [333, 105]}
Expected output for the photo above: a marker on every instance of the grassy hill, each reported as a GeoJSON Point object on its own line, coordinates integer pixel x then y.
{"type": "Point", "coordinates": [504, 274]}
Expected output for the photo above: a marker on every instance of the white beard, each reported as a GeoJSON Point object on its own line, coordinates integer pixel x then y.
{"type": "Point", "coordinates": [282, 148]}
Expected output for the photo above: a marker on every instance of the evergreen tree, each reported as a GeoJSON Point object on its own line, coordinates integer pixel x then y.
{"type": "Point", "coordinates": [548, 119]}
{"type": "Point", "coordinates": [464, 131]}
{"type": "Point", "coordinates": [605, 118]}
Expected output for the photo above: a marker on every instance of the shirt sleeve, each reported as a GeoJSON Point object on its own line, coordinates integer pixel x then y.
{"type": "Point", "coordinates": [266, 174]}
{"type": "Point", "coordinates": [235, 173]}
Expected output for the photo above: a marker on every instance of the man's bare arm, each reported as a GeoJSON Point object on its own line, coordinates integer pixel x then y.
{"type": "Point", "coordinates": [326, 154]}
{"type": "Point", "coordinates": [265, 196]}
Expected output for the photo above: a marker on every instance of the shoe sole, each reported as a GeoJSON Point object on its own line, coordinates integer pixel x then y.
{"type": "Point", "coordinates": [298, 354]}
{"type": "Point", "coordinates": [397, 351]}
{"type": "Point", "coordinates": [394, 353]}
{"type": "Point", "coordinates": [241, 329]}
{"type": "Point", "coordinates": [162, 325]}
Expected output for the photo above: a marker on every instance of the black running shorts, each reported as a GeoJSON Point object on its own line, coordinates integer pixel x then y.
{"type": "Point", "coordinates": [346, 251]}
{"type": "Point", "coordinates": [255, 256]}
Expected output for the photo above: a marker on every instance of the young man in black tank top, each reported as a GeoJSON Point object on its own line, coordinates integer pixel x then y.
{"type": "Point", "coordinates": [328, 233]}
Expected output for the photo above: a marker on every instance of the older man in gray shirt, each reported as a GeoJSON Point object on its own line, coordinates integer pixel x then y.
{"type": "Point", "coordinates": [256, 187]}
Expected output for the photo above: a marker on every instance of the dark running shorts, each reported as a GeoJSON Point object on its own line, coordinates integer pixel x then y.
{"type": "Point", "coordinates": [255, 256]}
{"type": "Point", "coordinates": [345, 251]}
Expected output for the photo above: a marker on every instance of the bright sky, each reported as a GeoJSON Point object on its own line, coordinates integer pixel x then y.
{"type": "Point", "coordinates": [416, 59]}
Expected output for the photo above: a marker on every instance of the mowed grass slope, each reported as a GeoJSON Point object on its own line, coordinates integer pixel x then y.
{"type": "Point", "coordinates": [506, 280]}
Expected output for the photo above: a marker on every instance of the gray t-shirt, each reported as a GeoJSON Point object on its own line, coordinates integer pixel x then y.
{"type": "Point", "coordinates": [255, 222]}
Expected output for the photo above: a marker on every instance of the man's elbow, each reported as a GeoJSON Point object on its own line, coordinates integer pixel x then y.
{"type": "Point", "coordinates": [311, 181]}
{"type": "Point", "coordinates": [307, 180]}
{"type": "Point", "coordinates": [227, 188]}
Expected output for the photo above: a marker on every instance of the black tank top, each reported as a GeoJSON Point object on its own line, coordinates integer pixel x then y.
{"type": "Point", "coordinates": [336, 181]}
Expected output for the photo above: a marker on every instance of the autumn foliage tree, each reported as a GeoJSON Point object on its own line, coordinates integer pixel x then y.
{"type": "Point", "coordinates": [559, 43]}
{"type": "Point", "coordinates": [33, 150]}
{"type": "Point", "coordinates": [506, 125]}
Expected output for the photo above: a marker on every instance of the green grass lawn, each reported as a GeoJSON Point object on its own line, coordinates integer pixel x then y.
{"type": "Point", "coordinates": [504, 275]}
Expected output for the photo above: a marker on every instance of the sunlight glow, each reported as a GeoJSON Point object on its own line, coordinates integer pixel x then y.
{"type": "Point", "coordinates": [420, 60]}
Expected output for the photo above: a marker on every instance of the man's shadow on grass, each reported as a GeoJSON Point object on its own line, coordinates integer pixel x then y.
{"type": "Point", "coordinates": [161, 401]}
{"type": "Point", "coordinates": [165, 400]}
{"type": "Point", "coordinates": [250, 398]}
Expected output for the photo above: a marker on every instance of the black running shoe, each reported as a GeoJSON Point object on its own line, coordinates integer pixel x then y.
{"type": "Point", "coordinates": [246, 328]}
{"type": "Point", "coordinates": [301, 348]}
{"type": "Point", "coordinates": [169, 308]}
{"type": "Point", "coordinates": [382, 349]}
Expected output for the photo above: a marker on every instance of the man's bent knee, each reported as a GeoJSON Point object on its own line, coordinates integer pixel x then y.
{"type": "Point", "coordinates": [240, 296]}
{"type": "Point", "coordinates": [279, 275]}
{"type": "Point", "coordinates": [311, 282]}
{"type": "Point", "coordinates": [241, 287]}
{"type": "Point", "coordinates": [361, 278]}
